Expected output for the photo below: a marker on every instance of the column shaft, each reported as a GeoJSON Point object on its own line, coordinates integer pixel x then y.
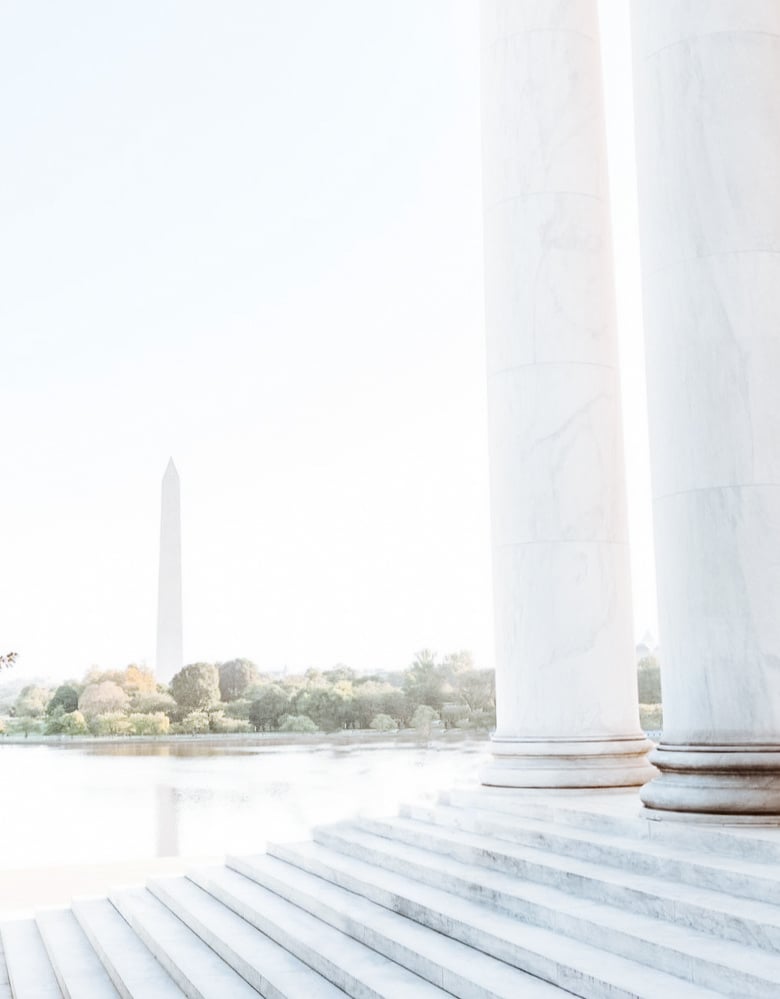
{"type": "Point", "coordinates": [708, 144]}
{"type": "Point", "coordinates": [565, 676]}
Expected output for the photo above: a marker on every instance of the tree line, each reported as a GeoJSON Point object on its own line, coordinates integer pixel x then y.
{"type": "Point", "coordinates": [236, 696]}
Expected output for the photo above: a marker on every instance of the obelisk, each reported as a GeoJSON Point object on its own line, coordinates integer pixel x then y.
{"type": "Point", "coordinates": [169, 616]}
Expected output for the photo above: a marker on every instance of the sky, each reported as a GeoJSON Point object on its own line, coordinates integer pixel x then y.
{"type": "Point", "coordinates": [248, 235]}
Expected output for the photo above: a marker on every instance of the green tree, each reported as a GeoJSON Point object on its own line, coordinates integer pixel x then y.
{"type": "Point", "coordinates": [423, 719]}
{"type": "Point", "coordinates": [152, 704]}
{"type": "Point", "coordinates": [480, 719]}
{"type": "Point", "coordinates": [196, 687]}
{"type": "Point", "coordinates": [65, 699]}
{"type": "Point", "coordinates": [476, 688]}
{"type": "Point", "coordinates": [235, 678]}
{"type": "Point", "coordinates": [383, 723]}
{"type": "Point", "coordinates": [66, 723]}
{"type": "Point", "coordinates": [453, 712]}
{"type": "Point", "coordinates": [330, 708]}
{"type": "Point", "coordinates": [149, 724]}
{"type": "Point", "coordinates": [219, 722]}
{"type": "Point", "coordinates": [268, 706]}
{"type": "Point", "coordinates": [339, 674]}
{"type": "Point", "coordinates": [425, 682]}
{"type": "Point", "coordinates": [396, 704]}
{"type": "Point", "coordinates": [651, 717]}
{"type": "Point", "coordinates": [649, 680]}
{"type": "Point", "coordinates": [458, 662]}
{"type": "Point", "coordinates": [26, 725]}
{"type": "Point", "coordinates": [110, 723]}
{"type": "Point", "coordinates": [195, 723]}
{"type": "Point", "coordinates": [369, 700]}
{"type": "Point", "coordinates": [239, 709]}
{"type": "Point", "coordinates": [74, 723]}
{"type": "Point", "coordinates": [297, 723]}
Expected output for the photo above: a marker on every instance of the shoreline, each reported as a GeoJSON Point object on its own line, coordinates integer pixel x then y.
{"type": "Point", "coordinates": [362, 738]}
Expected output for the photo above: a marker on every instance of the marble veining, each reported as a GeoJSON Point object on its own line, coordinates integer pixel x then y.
{"type": "Point", "coordinates": [566, 694]}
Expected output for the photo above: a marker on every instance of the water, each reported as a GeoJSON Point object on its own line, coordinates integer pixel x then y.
{"type": "Point", "coordinates": [90, 804]}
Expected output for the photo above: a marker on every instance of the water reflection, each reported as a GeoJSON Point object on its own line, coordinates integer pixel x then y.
{"type": "Point", "coordinates": [167, 822]}
{"type": "Point", "coordinates": [94, 803]}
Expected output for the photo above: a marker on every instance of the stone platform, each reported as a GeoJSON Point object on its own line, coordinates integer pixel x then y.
{"type": "Point", "coordinates": [487, 895]}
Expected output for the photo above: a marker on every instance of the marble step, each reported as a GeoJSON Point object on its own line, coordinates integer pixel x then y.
{"type": "Point", "coordinates": [359, 898]}
{"type": "Point", "coordinates": [78, 969]}
{"type": "Point", "coordinates": [5, 985]}
{"type": "Point", "coordinates": [746, 843]}
{"type": "Point", "coordinates": [731, 876]}
{"type": "Point", "coordinates": [683, 952]}
{"type": "Point", "coordinates": [198, 971]}
{"type": "Point", "coordinates": [353, 962]}
{"type": "Point", "coordinates": [742, 920]}
{"type": "Point", "coordinates": [129, 963]}
{"type": "Point", "coordinates": [29, 970]}
{"type": "Point", "coordinates": [268, 967]}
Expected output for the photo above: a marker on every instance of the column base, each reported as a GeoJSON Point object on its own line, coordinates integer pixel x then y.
{"type": "Point", "coordinates": [734, 785]}
{"type": "Point", "coordinates": [620, 761]}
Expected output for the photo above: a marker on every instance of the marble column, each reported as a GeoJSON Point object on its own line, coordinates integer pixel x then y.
{"type": "Point", "coordinates": [565, 674]}
{"type": "Point", "coordinates": [169, 612]}
{"type": "Point", "coordinates": [708, 144]}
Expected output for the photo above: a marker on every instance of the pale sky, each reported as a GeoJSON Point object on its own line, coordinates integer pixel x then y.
{"type": "Point", "coordinates": [248, 234]}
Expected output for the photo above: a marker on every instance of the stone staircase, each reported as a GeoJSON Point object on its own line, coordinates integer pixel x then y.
{"type": "Point", "coordinates": [486, 895]}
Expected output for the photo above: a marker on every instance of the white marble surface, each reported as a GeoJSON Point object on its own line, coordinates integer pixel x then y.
{"type": "Point", "coordinates": [561, 571]}
{"type": "Point", "coordinates": [708, 145]}
{"type": "Point", "coordinates": [169, 609]}
{"type": "Point", "coordinates": [490, 894]}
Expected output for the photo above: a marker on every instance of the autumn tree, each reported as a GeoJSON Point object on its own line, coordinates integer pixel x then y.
{"type": "Point", "coordinates": [103, 698]}
{"type": "Point", "coordinates": [138, 680]}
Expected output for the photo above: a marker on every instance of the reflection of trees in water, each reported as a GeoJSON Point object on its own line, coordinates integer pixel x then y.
{"type": "Point", "coordinates": [109, 809]}
{"type": "Point", "coordinates": [185, 749]}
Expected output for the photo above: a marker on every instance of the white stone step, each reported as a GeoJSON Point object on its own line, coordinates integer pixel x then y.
{"type": "Point", "coordinates": [196, 969]}
{"type": "Point", "coordinates": [731, 876]}
{"type": "Point", "coordinates": [130, 964]}
{"type": "Point", "coordinates": [348, 893]}
{"type": "Point", "coordinates": [742, 920]}
{"type": "Point", "coordinates": [5, 985]}
{"type": "Point", "coordinates": [683, 952]}
{"type": "Point", "coordinates": [29, 969]}
{"type": "Point", "coordinates": [271, 969]}
{"type": "Point", "coordinates": [761, 844]}
{"type": "Point", "coordinates": [349, 963]}
{"type": "Point", "coordinates": [78, 968]}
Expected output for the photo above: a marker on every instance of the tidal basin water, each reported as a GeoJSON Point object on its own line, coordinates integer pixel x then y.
{"type": "Point", "coordinates": [101, 803]}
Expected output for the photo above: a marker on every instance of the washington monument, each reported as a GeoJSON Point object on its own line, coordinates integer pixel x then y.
{"type": "Point", "coordinates": [169, 616]}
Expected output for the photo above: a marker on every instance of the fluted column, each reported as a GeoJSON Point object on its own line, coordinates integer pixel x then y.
{"type": "Point", "coordinates": [565, 673]}
{"type": "Point", "coordinates": [708, 144]}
